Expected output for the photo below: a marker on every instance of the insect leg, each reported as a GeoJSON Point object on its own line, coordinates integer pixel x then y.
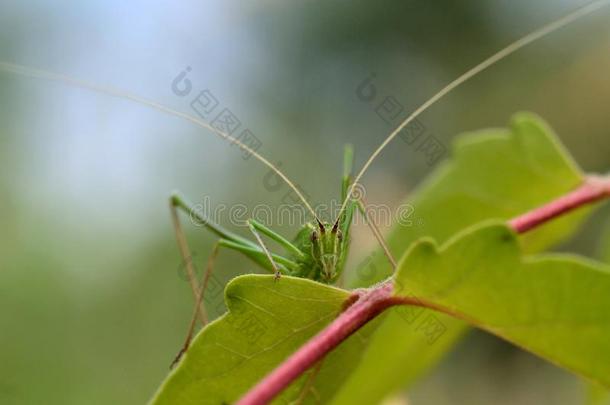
{"type": "Point", "coordinates": [344, 220]}
{"type": "Point", "coordinates": [187, 258]}
{"type": "Point", "coordinates": [198, 304]}
{"type": "Point", "coordinates": [348, 164]}
{"type": "Point", "coordinates": [254, 253]}
{"type": "Point", "coordinates": [229, 239]}
{"type": "Point", "coordinates": [259, 256]}
{"type": "Point", "coordinates": [276, 237]}
{"type": "Point", "coordinates": [199, 218]}
{"type": "Point", "coordinates": [267, 252]}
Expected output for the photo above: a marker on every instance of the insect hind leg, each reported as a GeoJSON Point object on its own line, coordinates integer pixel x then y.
{"type": "Point", "coordinates": [187, 258]}
{"type": "Point", "coordinates": [198, 304]}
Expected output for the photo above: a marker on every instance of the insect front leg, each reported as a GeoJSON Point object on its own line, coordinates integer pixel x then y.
{"type": "Point", "coordinates": [255, 227]}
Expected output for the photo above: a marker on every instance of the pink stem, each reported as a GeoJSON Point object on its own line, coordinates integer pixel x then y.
{"type": "Point", "coordinates": [593, 189]}
{"type": "Point", "coordinates": [371, 302]}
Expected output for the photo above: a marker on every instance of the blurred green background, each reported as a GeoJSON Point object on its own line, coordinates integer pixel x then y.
{"type": "Point", "coordinates": [93, 300]}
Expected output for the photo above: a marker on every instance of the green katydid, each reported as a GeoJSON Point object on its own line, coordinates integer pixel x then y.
{"type": "Point", "coordinates": [319, 249]}
{"type": "Point", "coordinates": [317, 252]}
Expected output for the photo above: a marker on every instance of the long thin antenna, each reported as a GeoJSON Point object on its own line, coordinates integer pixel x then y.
{"type": "Point", "coordinates": [498, 56]}
{"type": "Point", "coordinates": [43, 74]}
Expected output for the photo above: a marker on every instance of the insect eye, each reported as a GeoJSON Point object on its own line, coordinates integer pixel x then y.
{"type": "Point", "coordinates": [314, 236]}
{"type": "Point", "coordinates": [339, 235]}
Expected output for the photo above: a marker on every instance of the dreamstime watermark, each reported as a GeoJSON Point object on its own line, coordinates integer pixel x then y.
{"type": "Point", "coordinates": [381, 215]}
{"type": "Point", "coordinates": [392, 112]}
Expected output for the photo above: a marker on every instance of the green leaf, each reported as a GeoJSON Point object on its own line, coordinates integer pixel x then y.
{"type": "Point", "coordinates": [267, 321]}
{"type": "Point", "coordinates": [494, 173]}
{"type": "Point", "coordinates": [555, 305]}
{"type": "Point", "coordinates": [596, 394]}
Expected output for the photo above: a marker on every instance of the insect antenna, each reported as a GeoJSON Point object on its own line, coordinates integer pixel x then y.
{"type": "Point", "coordinates": [493, 59]}
{"type": "Point", "coordinates": [47, 75]}
{"type": "Point", "coordinates": [321, 226]}
{"type": "Point", "coordinates": [377, 233]}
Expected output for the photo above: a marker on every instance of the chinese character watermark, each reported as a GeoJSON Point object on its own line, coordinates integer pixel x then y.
{"type": "Point", "coordinates": [392, 112]}
{"type": "Point", "coordinates": [207, 107]}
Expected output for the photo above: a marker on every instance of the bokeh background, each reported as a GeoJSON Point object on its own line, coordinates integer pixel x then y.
{"type": "Point", "coordinates": [93, 301]}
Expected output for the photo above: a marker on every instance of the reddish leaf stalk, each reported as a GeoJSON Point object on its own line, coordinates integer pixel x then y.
{"type": "Point", "coordinates": [593, 189]}
{"type": "Point", "coordinates": [369, 303]}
